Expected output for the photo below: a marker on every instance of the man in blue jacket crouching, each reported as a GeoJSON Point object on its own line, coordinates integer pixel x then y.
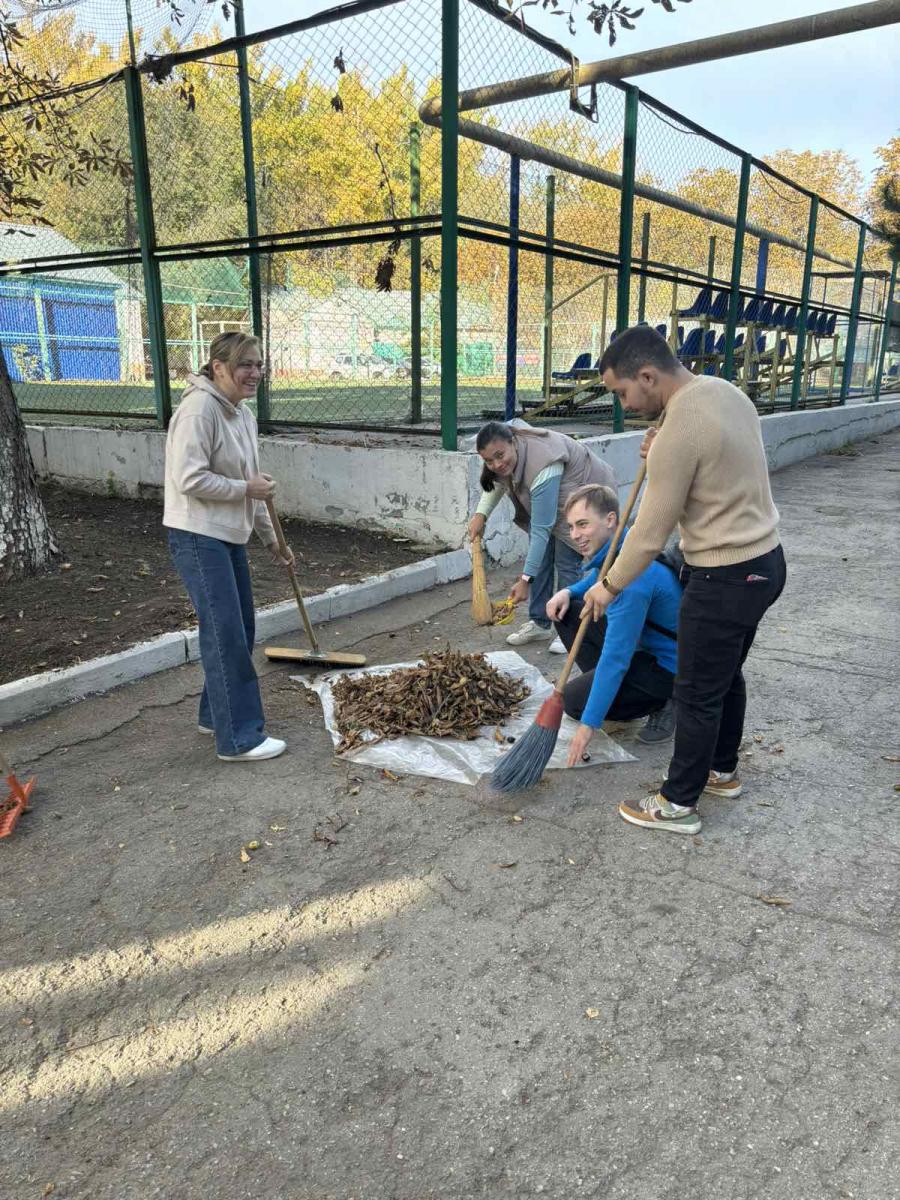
{"type": "Point", "coordinates": [627, 661]}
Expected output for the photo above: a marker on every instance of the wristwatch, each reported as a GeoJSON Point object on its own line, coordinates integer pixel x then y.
{"type": "Point", "coordinates": [526, 578]}
{"type": "Point", "coordinates": [614, 591]}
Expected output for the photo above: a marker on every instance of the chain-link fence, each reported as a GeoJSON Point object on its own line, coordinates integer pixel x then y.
{"type": "Point", "coordinates": [289, 183]}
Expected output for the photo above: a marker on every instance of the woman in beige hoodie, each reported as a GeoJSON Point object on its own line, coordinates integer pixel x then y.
{"type": "Point", "coordinates": [214, 499]}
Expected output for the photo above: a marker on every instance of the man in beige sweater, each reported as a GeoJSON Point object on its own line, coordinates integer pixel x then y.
{"type": "Point", "coordinates": [707, 473]}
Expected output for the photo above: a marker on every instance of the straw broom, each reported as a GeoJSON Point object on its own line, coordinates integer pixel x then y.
{"type": "Point", "coordinates": [482, 609]}
{"type": "Point", "coordinates": [524, 765]}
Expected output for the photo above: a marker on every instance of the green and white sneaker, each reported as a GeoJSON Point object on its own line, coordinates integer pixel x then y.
{"type": "Point", "coordinates": [656, 812]}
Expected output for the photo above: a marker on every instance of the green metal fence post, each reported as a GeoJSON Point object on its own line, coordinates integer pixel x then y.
{"type": "Point", "coordinates": [415, 282]}
{"type": "Point", "coordinates": [548, 285]}
{"type": "Point", "coordinates": [449, 217]}
{"type": "Point", "coordinates": [645, 254]}
{"type": "Point", "coordinates": [256, 305]}
{"type": "Point", "coordinates": [737, 265]}
{"type": "Point", "coordinates": [800, 358]}
{"type": "Point", "coordinates": [156, 328]}
{"type": "Point", "coordinates": [885, 328]}
{"type": "Point", "coordinates": [626, 226]}
{"type": "Point", "coordinates": [850, 348]}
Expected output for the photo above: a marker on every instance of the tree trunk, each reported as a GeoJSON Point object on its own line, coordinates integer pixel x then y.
{"type": "Point", "coordinates": [26, 543]}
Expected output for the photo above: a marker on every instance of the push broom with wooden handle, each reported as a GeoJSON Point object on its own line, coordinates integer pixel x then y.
{"type": "Point", "coordinates": [523, 766]}
{"type": "Point", "coordinates": [334, 658]}
{"type": "Point", "coordinates": [482, 609]}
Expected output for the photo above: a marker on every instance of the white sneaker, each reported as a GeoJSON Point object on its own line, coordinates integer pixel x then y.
{"type": "Point", "coordinates": [530, 632]}
{"type": "Point", "coordinates": [204, 729]}
{"type": "Point", "coordinates": [270, 748]}
{"type": "Point", "coordinates": [557, 647]}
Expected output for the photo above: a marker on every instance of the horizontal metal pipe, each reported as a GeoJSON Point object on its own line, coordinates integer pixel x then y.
{"type": "Point", "coordinates": [850, 19]}
{"type": "Point", "coordinates": [510, 144]}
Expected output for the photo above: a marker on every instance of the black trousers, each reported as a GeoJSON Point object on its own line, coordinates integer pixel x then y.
{"type": "Point", "coordinates": [720, 612]}
{"type": "Point", "coordinates": [645, 687]}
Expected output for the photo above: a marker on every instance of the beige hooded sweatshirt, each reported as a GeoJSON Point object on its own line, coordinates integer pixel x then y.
{"type": "Point", "coordinates": [211, 452]}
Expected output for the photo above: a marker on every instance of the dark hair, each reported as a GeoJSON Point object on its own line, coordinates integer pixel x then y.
{"type": "Point", "coordinates": [598, 496]}
{"type": "Point", "coordinates": [637, 347]}
{"type": "Point", "coordinates": [492, 432]}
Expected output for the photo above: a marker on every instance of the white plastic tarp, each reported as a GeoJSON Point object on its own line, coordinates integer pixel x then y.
{"type": "Point", "coordinates": [464, 761]}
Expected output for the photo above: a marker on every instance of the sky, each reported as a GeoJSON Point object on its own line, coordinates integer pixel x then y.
{"type": "Point", "coordinates": [836, 94]}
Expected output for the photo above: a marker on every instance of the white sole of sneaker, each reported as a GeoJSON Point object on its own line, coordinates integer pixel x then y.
{"type": "Point", "coordinates": [205, 729]}
{"type": "Point", "coordinates": [663, 826]}
{"type": "Point", "coordinates": [251, 757]}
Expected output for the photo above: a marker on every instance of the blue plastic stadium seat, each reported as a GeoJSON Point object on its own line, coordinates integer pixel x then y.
{"type": "Point", "coordinates": [812, 321]}
{"type": "Point", "coordinates": [719, 309]}
{"type": "Point", "coordinates": [662, 330]}
{"type": "Point", "coordinates": [692, 343]}
{"type": "Point", "coordinates": [680, 335]}
{"type": "Point", "coordinates": [790, 319]}
{"type": "Point", "coordinates": [761, 343]}
{"type": "Point", "coordinates": [700, 307]}
{"type": "Point", "coordinates": [753, 310]}
{"type": "Point", "coordinates": [832, 321]}
{"type": "Point", "coordinates": [822, 323]}
{"type": "Point", "coordinates": [765, 313]}
{"type": "Point", "coordinates": [582, 362]}
{"type": "Point", "coordinates": [739, 341]}
{"type": "Point", "coordinates": [778, 316]}
{"type": "Point", "coordinates": [720, 344]}
{"type": "Point", "coordinates": [709, 342]}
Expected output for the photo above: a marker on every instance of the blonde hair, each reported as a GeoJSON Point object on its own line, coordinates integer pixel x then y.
{"type": "Point", "coordinates": [598, 496]}
{"type": "Point", "coordinates": [229, 349]}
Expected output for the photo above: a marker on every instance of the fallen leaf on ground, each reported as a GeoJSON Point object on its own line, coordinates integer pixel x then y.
{"type": "Point", "coordinates": [891, 757]}
{"type": "Point", "coordinates": [765, 803]}
{"type": "Point", "coordinates": [506, 866]}
{"type": "Point", "coordinates": [386, 774]}
{"type": "Point", "coordinates": [516, 818]}
{"type": "Point", "coordinates": [245, 857]}
{"type": "Point", "coordinates": [278, 828]}
{"type": "Point", "coordinates": [775, 901]}
{"type": "Point", "coordinates": [51, 1187]}
{"type": "Point", "coordinates": [757, 737]}
{"type": "Point", "coordinates": [592, 1013]}
{"type": "Point", "coordinates": [253, 845]}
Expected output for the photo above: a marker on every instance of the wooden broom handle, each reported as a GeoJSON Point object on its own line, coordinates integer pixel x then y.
{"type": "Point", "coordinates": [298, 595]}
{"type": "Point", "coordinates": [607, 563]}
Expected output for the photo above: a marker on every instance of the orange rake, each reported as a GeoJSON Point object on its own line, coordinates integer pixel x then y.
{"type": "Point", "coordinates": [16, 802]}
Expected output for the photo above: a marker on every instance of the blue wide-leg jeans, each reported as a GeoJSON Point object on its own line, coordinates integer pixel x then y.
{"type": "Point", "coordinates": [217, 577]}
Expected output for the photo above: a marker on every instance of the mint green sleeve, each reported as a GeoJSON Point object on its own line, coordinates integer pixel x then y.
{"type": "Point", "coordinates": [490, 500]}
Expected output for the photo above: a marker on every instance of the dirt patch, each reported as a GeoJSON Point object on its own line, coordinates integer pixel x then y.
{"type": "Point", "coordinates": [114, 583]}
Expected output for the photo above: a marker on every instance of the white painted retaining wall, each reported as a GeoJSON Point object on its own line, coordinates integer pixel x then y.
{"type": "Point", "coordinates": [412, 490]}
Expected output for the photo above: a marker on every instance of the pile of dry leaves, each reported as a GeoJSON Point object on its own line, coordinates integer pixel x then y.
{"type": "Point", "coordinates": [450, 695]}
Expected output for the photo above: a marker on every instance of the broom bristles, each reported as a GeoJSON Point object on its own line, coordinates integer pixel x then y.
{"type": "Point", "coordinates": [482, 609]}
{"type": "Point", "coordinates": [524, 765]}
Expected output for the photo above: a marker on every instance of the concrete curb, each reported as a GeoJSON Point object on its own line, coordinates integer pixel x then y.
{"type": "Point", "coordinates": [36, 694]}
